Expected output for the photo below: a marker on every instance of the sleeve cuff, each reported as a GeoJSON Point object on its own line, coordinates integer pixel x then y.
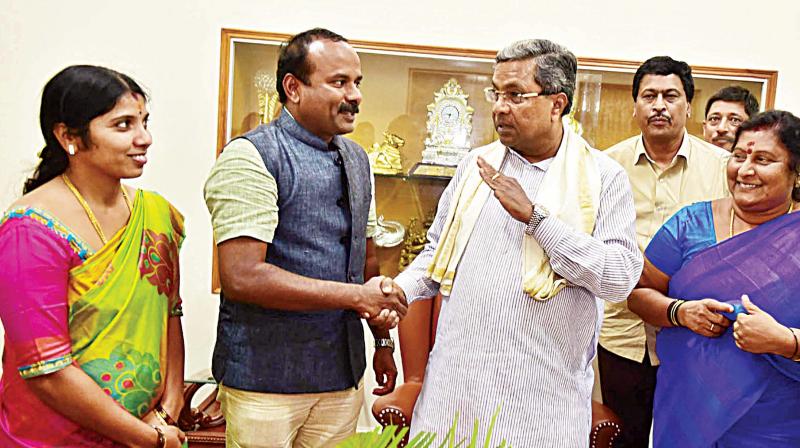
{"type": "Point", "coordinates": [263, 235]}
{"type": "Point", "coordinates": [414, 289]}
{"type": "Point", "coordinates": [550, 232]}
{"type": "Point", "coordinates": [44, 367]}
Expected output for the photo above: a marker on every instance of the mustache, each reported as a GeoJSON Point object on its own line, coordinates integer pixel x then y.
{"type": "Point", "coordinates": [659, 115]}
{"type": "Point", "coordinates": [349, 107]}
{"type": "Point", "coordinates": [725, 139]}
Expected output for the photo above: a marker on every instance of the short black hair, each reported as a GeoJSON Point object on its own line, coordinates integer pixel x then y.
{"type": "Point", "coordinates": [786, 127]}
{"type": "Point", "coordinates": [294, 53]}
{"type": "Point", "coordinates": [665, 66]}
{"type": "Point", "coordinates": [735, 94]}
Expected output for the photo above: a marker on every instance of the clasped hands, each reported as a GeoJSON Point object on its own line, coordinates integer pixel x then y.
{"type": "Point", "coordinates": [382, 303]}
{"type": "Point", "coordinates": [755, 331]}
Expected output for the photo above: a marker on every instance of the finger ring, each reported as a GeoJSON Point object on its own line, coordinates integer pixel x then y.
{"type": "Point", "coordinates": [496, 175]}
{"type": "Point", "coordinates": [712, 328]}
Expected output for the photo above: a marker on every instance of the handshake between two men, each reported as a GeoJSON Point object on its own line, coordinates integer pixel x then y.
{"type": "Point", "coordinates": [381, 302]}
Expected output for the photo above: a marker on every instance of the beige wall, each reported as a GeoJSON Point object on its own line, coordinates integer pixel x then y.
{"type": "Point", "coordinates": [172, 47]}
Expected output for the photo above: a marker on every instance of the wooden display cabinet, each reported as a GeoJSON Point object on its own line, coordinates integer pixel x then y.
{"type": "Point", "coordinates": [400, 81]}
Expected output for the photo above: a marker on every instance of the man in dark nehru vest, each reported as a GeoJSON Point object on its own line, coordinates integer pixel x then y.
{"type": "Point", "coordinates": [292, 211]}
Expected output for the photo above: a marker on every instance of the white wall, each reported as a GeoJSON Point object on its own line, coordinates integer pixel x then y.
{"type": "Point", "coordinates": [172, 47]}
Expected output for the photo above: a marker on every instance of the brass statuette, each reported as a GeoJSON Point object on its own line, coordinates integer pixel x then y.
{"type": "Point", "coordinates": [385, 157]}
{"type": "Point", "coordinates": [414, 242]}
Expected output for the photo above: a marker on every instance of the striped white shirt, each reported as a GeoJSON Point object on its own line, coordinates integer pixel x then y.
{"type": "Point", "coordinates": [495, 345]}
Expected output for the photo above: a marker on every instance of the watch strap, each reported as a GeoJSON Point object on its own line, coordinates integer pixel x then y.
{"type": "Point", "coordinates": [384, 343]}
{"type": "Point", "coordinates": [536, 218]}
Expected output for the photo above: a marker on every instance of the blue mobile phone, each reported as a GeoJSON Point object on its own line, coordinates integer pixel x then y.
{"type": "Point", "coordinates": [738, 308]}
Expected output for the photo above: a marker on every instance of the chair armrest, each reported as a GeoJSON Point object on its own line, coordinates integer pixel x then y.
{"type": "Point", "coordinates": [209, 438]}
{"type": "Point", "coordinates": [606, 426]}
{"type": "Point", "coordinates": [397, 407]}
{"type": "Point", "coordinates": [205, 416]}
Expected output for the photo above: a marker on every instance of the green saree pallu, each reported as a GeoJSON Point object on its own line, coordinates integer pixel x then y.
{"type": "Point", "coordinates": [120, 300]}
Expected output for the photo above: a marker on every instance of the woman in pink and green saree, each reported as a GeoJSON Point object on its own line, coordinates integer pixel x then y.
{"type": "Point", "coordinates": [93, 353]}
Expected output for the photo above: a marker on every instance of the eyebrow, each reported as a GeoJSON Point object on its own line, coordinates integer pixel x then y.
{"type": "Point", "coordinates": [129, 117]}
{"type": "Point", "coordinates": [670, 90]}
{"type": "Point", "coordinates": [342, 75]}
{"type": "Point", "coordinates": [754, 152]}
{"type": "Point", "coordinates": [510, 85]}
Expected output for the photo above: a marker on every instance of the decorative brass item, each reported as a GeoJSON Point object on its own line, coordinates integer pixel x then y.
{"type": "Point", "coordinates": [385, 157]}
{"type": "Point", "coordinates": [449, 128]}
{"type": "Point", "coordinates": [390, 233]}
{"type": "Point", "coordinates": [414, 242]}
{"type": "Point", "coordinates": [267, 96]}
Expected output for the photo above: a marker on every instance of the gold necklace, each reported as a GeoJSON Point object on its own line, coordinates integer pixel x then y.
{"type": "Point", "coordinates": [730, 231]}
{"type": "Point", "coordinates": [88, 210]}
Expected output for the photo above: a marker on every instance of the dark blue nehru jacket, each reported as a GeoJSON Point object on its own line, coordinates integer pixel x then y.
{"type": "Point", "coordinates": [324, 195]}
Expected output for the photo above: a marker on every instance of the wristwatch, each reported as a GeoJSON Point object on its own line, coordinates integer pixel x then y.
{"type": "Point", "coordinates": [384, 342]}
{"type": "Point", "coordinates": [539, 214]}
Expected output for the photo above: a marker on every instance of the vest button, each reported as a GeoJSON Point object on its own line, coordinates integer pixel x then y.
{"type": "Point", "coordinates": [337, 161]}
{"type": "Point", "coordinates": [340, 202]}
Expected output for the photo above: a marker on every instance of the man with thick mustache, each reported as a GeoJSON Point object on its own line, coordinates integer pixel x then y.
{"type": "Point", "coordinates": [293, 216]}
{"type": "Point", "coordinates": [668, 168]}
{"type": "Point", "coordinates": [532, 233]}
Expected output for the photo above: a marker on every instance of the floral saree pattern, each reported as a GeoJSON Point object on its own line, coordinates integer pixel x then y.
{"type": "Point", "coordinates": [105, 312]}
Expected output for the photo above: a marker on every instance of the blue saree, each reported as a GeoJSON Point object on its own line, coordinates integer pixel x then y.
{"type": "Point", "coordinates": [709, 393]}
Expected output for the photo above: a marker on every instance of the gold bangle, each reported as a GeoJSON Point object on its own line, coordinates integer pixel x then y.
{"type": "Point", "coordinates": [161, 442]}
{"type": "Point", "coordinates": [165, 416]}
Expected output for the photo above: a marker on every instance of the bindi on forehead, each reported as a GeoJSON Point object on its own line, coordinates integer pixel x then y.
{"type": "Point", "coordinates": [750, 146]}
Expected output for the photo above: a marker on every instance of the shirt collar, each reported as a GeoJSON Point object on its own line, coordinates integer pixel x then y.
{"type": "Point", "coordinates": [544, 164]}
{"type": "Point", "coordinates": [287, 122]}
{"type": "Point", "coordinates": [640, 154]}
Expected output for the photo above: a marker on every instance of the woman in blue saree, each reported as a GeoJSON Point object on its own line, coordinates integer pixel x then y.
{"type": "Point", "coordinates": [722, 279]}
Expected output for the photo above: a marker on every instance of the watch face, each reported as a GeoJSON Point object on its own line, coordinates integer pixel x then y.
{"type": "Point", "coordinates": [449, 114]}
{"type": "Point", "coordinates": [542, 211]}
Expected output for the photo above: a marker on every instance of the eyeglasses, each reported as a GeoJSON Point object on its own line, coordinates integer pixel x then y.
{"type": "Point", "coordinates": [493, 95]}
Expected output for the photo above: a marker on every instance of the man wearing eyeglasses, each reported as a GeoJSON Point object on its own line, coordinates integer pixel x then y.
{"type": "Point", "coordinates": [668, 168]}
{"type": "Point", "coordinates": [725, 111]}
{"type": "Point", "coordinates": [531, 230]}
